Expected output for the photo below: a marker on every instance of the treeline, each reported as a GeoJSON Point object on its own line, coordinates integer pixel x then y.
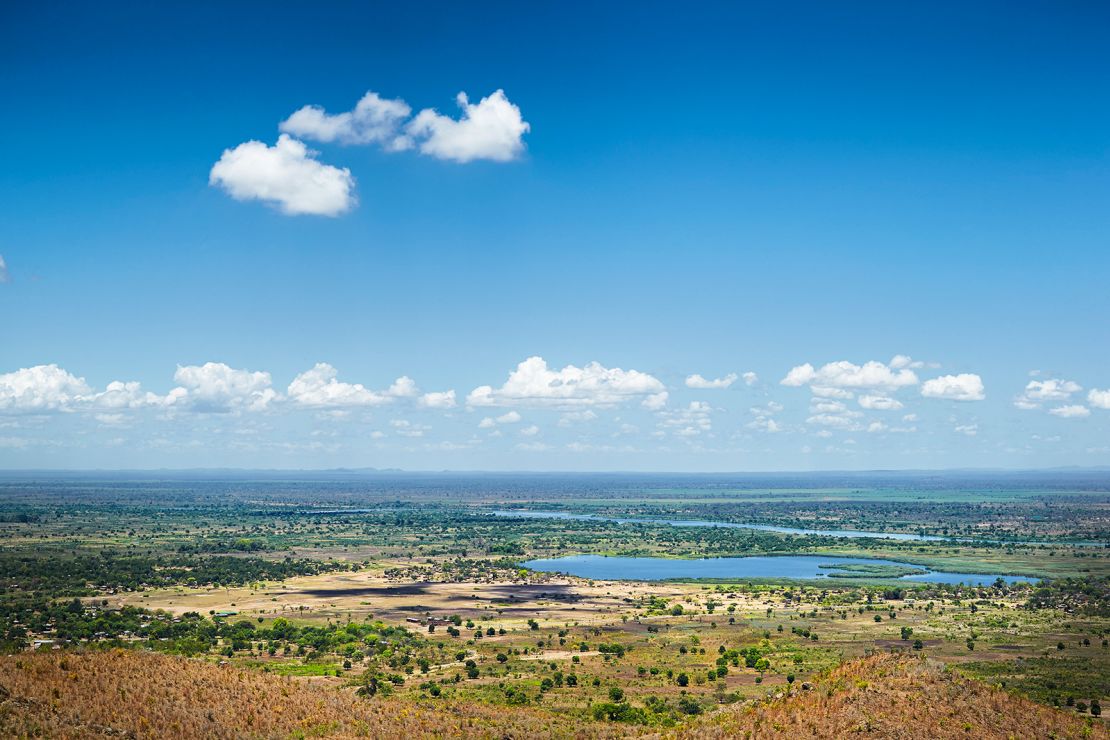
{"type": "Point", "coordinates": [76, 623]}
{"type": "Point", "coordinates": [87, 574]}
{"type": "Point", "coordinates": [1088, 596]}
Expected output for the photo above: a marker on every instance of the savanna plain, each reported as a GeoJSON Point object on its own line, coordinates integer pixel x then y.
{"type": "Point", "coordinates": [372, 604]}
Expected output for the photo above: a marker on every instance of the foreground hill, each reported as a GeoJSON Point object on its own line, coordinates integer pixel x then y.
{"type": "Point", "coordinates": [145, 695]}
{"type": "Point", "coordinates": [891, 696]}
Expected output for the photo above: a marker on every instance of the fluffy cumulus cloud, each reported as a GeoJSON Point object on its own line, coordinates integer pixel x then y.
{"type": "Point", "coordinates": [698, 382]}
{"type": "Point", "coordinates": [216, 387]}
{"type": "Point", "coordinates": [1100, 399]}
{"type": "Point", "coordinates": [286, 175]}
{"type": "Point", "coordinates": [374, 120]}
{"type": "Point", "coordinates": [437, 400]}
{"type": "Point", "coordinates": [212, 387]}
{"type": "Point", "coordinates": [1037, 392]}
{"type": "Point", "coordinates": [403, 387]}
{"type": "Point", "coordinates": [509, 417]}
{"type": "Point", "coordinates": [750, 378]}
{"type": "Point", "coordinates": [533, 383]}
{"type": "Point", "coordinates": [962, 387]}
{"type": "Point", "coordinates": [843, 375]}
{"type": "Point", "coordinates": [492, 129]}
{"type": "Point", "coordinates": [41, 388]}
{"type": "Point", "coordinates": [879, 403]}
{"type": "Point", "coordinates": [289, 176]}
{"type": "Point", "coordinates": [320, 387]}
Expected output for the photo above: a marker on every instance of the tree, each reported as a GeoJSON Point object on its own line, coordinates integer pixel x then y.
{"type": "Point", "coordinates": [682, 679]}
{"type": "Point", "coordinates": [616, 694]}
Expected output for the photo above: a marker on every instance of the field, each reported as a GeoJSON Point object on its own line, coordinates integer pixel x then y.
{"type": "Point", "coordinates": [407, 594]}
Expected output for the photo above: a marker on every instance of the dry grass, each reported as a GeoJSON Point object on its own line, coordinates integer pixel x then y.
{"type": "Point", "coordinates": [146, 695]}
{"type": "Point", "coordinates": [889, 696]}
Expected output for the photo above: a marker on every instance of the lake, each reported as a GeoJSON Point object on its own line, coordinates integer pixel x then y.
{"type": "Point", "coordinates": [804, 567]}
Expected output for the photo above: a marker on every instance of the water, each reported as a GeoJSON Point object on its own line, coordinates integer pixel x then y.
{"type": "Point", "coordinates": [850, 533]}
{"type": "Point", "coordinates": [804, 567]}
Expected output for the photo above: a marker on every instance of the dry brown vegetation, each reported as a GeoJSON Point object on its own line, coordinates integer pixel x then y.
{"type": "Point", "coordinates": [145, 695]}
{"type": "Point", "coordinates": [891, 696]}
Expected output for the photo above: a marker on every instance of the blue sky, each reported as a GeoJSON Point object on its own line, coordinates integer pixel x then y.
{"type": "Point", "coordinates": [728, 189]}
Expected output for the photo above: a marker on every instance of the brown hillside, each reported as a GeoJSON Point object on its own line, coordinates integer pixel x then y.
{"type": "Point", "coordinates": [888, 696]}
{"type": "Point", "coordinates": [145, 695]}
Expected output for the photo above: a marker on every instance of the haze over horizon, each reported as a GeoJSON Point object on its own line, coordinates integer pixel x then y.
{"type": "Point", "coordinates": [764, 237]}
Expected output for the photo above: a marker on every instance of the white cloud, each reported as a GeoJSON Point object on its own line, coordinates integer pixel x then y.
{"type": "Point", "coordinates": [825, 406]}
{"type": "Point", "coordinates": [700, 383]}
{"type": "Point", "coordinates": [962, 387]}
{"type": "Point", "coordinates": [691, 421]}
{"type": "Point", "coordinates": [750, 378]}
{"type": "Point", "coordinates": [880, 403]}
{"type": "Point", "coordinates": [827, 392]}
{"type": "Point", "coordinates": [900, 361]}
{"type": "Point", "coordinates": [509, 417]}
{"type": "Point", "coordinates": [41, 388]}
{"type": "Point", "coordinates": [843, 374]}
{"type": "Point", "coordinates": [530, 431]}
{"type": "Point", "coordinates": [405, 428]}
{"type": "Point", "coordinates": [319, 388]}
{"type": "Point", "coordinates": [836, 421]}
{"type": "Point", "coordinates": [286, 174]}
{"type": "Point", "coordinates": [1038, 391]}
{"type": "Point", "coordinates": [216, 387]}
{"type": "Point", "coordinates": [572, 417]}
{"type": "Point", "coordinates": [1070, 412]}
{"type": "Point", "coordinates": [491, 129]}
{"type": "Point", "coordinates": [130, 395]}
{"type": "Point", "coordinates": [4, 277]}
{"type": "Point", "coordinates": [403, 387]}
{"type": "Point", "coordinates": [1099, 399]}
{"type": "Point", "coordinates": [656, 401]}
{"type": "Point", "coordinates": [438, 400]}
{"type": "Point", "coordinates": [534, 384]}
{"type": "Point", "coordinates": [969, 429]}
{"type": "Point", "coordinates": [772, 407]}
{"type": "Point", "coordinates": [374, 120]}
{"type": "Point", "coordinates": [764, 424]}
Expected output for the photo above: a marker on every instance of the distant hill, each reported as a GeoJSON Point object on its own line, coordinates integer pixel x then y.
{"type": "Point", "coordinates": [145, 695]}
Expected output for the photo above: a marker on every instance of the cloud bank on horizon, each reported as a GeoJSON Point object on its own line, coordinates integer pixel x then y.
{"type": "Point", "coordinates": [289, 176]}
{"type": "Point", "coordinates": [538, 408]}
